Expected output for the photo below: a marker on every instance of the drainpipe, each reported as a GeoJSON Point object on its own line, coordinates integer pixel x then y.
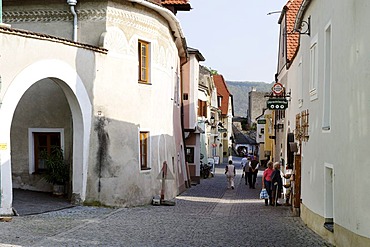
{"type": "Point", "coordinates": [72, 4]}
{"type": "Point", "coordinates": [1, 11]}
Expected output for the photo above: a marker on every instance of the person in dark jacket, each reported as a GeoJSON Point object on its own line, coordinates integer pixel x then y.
{"type": "Point", "coordinates": [253, 172]}
{"type": "Point", "coordinates": [277, 184]}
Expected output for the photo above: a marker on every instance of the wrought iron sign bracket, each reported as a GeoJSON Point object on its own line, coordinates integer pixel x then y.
{"type": "Point", "coordinates": [305, 27]}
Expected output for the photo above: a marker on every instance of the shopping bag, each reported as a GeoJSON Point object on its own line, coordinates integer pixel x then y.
{"type": "Point", "coordinates": [264, 194]}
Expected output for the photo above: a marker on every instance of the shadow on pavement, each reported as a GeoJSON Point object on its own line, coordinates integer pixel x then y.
{"type": "Point", "coordinates": [26, 202]}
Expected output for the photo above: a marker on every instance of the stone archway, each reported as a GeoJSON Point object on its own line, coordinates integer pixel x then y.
{"type": "Point", "coordinates": [81, 109]}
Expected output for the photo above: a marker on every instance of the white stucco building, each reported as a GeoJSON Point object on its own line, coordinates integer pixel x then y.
{"type": "Point", "coordinates": [111, 99]}
{"type": "Point", "coordinates": [329, 114]}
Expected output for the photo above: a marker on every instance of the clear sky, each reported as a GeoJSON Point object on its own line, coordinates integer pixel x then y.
{"type": "Point", "coordinates": [236, 37]}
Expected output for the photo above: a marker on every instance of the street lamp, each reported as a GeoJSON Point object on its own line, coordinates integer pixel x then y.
{"type": "Point", "coordinates": [273, 12]}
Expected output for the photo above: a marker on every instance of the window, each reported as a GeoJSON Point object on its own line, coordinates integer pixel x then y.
{"type": "Point", "coordinates": [327, 80]}
{"type": "Point", "coordinates": [39, 140]}
{"type": "Point", "coordinates": [219, 100]}
{"type": "Point", "coordinates": [186, 96]}
{"type": "Point", "coordinates": [143, 51]}
{"type": "Point", "coordinates": [202, 108]}
{"type": "Point", "coordinates": [190, 154]}
{"type": "Point", "coordinates": [177, 87]}
{"type": "Point", "coordinates": [313, 71]}
{"type": "Point", "coordinates": [144, 142]}
{"type": "Point", "coordinates": [43, 142]}
{"type": "Point", "coordinates": [300, 84]}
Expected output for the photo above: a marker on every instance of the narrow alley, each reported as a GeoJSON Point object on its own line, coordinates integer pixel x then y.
{"type": "Point", "coordinates": [207, 214]}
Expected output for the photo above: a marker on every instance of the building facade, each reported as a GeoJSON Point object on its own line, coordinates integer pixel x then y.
{"type": "Point", "coordinates": [327, 77]}
{"type": "Point", "coordinates": [111, 99]}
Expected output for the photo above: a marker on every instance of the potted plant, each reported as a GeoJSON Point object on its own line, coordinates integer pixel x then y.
{"type": "Point", "coordinates": [57, 170]}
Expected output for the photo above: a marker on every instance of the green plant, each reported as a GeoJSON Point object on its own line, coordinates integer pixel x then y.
{"type": "Point", "coordinates": [57, 170]}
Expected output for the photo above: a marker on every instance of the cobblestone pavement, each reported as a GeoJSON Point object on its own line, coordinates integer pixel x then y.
{"type": "Point", "coordinates": [207, 214]}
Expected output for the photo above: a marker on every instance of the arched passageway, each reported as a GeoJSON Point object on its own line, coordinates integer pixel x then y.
{"type": "Point", "coordinates": [29, 86]}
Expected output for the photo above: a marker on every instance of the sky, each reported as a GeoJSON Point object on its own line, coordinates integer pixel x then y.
{"type": "Point", "coordinates": [236, 37]}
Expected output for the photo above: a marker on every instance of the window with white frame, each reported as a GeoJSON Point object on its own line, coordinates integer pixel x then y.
{"type": "Point", "coordinates": [300, 84]}
{"type": "Point", "coordinates": [219, 101]}
{"type": "Point", "coordinates": [313, 70]}
{"type": "Point", "coordinates": [41, 140]}
{"type": "Point", "coordinates": [327, 81]}
{"type": "Point", "coordinates": [177, 89]}
{"type": "Point", "coordinates": [190, 154]}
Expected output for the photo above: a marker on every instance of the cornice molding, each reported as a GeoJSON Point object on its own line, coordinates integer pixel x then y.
{"type": "Point", "coordinates": [52, 15]}
{"type": "Point", "coordinates": [144, 23]}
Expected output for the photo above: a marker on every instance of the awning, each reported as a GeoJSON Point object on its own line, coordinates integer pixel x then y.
{"type": "Point", "coordinates": [202, 96]}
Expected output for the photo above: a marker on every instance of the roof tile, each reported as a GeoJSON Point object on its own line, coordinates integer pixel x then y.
{"type": "Point", "coordinates": [175, 1]}
{"type": "Point", "coordinates": [293, 37]}
{"type": "Point", "coordinates": [223, 91]}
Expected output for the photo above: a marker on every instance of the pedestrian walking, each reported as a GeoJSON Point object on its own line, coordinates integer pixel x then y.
{"type": "Point", "coordinates": [266, 182]}
{"type": "Point", "coordinates": [288, 184]}
{"type": "Point", "coordinates": [253, 171]}
{"type": "Point", "coordinates": [230, 174]}
{"type": "Point", "coordinates": [246, 170]}
{"type": "Point", "coordinates": [277, 184]}
{"type": "Point", "coordinates": [244, 162]}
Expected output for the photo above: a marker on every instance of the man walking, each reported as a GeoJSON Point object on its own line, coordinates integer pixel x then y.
{"type": "Point", "coordinates": [253, 171]}
{"type": "Point", "coordinates": [244, 162]}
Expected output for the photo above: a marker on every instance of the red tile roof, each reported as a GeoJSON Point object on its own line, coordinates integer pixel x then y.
{"type": "Point", "coordinates": [223, 91]}
{"type": "Point", "coordinates": [292, 8]}
{"type": "Point", "coordinates": [175, 1]}
{"type": "Point", "coordinates": [176, 5]}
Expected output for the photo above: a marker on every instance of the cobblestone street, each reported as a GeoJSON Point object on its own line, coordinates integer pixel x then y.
{"type": "Point", "coordinates": [207, 214]}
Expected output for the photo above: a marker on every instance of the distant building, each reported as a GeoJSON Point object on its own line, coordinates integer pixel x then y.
{"type": "Point", "coordinates": [243, 144]}
{"type": "Point", "coordinates": [225, 104]}
{"type": "Point", "coordinates": [256, 103]}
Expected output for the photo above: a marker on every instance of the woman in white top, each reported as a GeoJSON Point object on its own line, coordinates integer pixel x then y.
{"type": "Point", "coordinates": [230, 174]}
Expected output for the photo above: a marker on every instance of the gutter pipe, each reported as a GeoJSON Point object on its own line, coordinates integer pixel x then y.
{"type": "Point", "coordinates": [72, 4]}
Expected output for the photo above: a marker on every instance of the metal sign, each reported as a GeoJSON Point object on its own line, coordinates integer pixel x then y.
{"type": "Point", "coordinates": [3, 146]}
{"type": "Point", "coordinates": [278, 88]}
{"type": "Point", "coordinates": [277, 103]}
{"type": "Point", "coordinates": [261, 121]}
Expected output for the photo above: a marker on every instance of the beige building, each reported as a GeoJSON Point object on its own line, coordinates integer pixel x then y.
{"type": "Point", "coordinates": [193, 129]}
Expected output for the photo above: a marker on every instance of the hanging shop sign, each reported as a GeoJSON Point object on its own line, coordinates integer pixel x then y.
{"type": "Point", "coordinates": [278, 88]}
{"type": "Point", "coordinates": [277, 103]}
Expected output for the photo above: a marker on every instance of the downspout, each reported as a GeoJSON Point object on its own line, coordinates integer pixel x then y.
{"type": "Point", "coordinates": [1, 11]}
{"type": "Point", "coordinates": [72, 4]}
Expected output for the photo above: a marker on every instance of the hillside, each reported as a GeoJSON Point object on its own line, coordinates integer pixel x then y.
{"type": "Point", "coordinates": [240, 90]}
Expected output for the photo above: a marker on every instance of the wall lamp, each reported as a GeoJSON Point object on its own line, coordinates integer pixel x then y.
{"type": "Point", "coordinates": [212, 120]}
{"type": "Point", "coordinates": [305, 27]}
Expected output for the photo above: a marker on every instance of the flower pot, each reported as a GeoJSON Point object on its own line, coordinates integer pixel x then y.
{"type": "Point", "coordinates": [58, 190]}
